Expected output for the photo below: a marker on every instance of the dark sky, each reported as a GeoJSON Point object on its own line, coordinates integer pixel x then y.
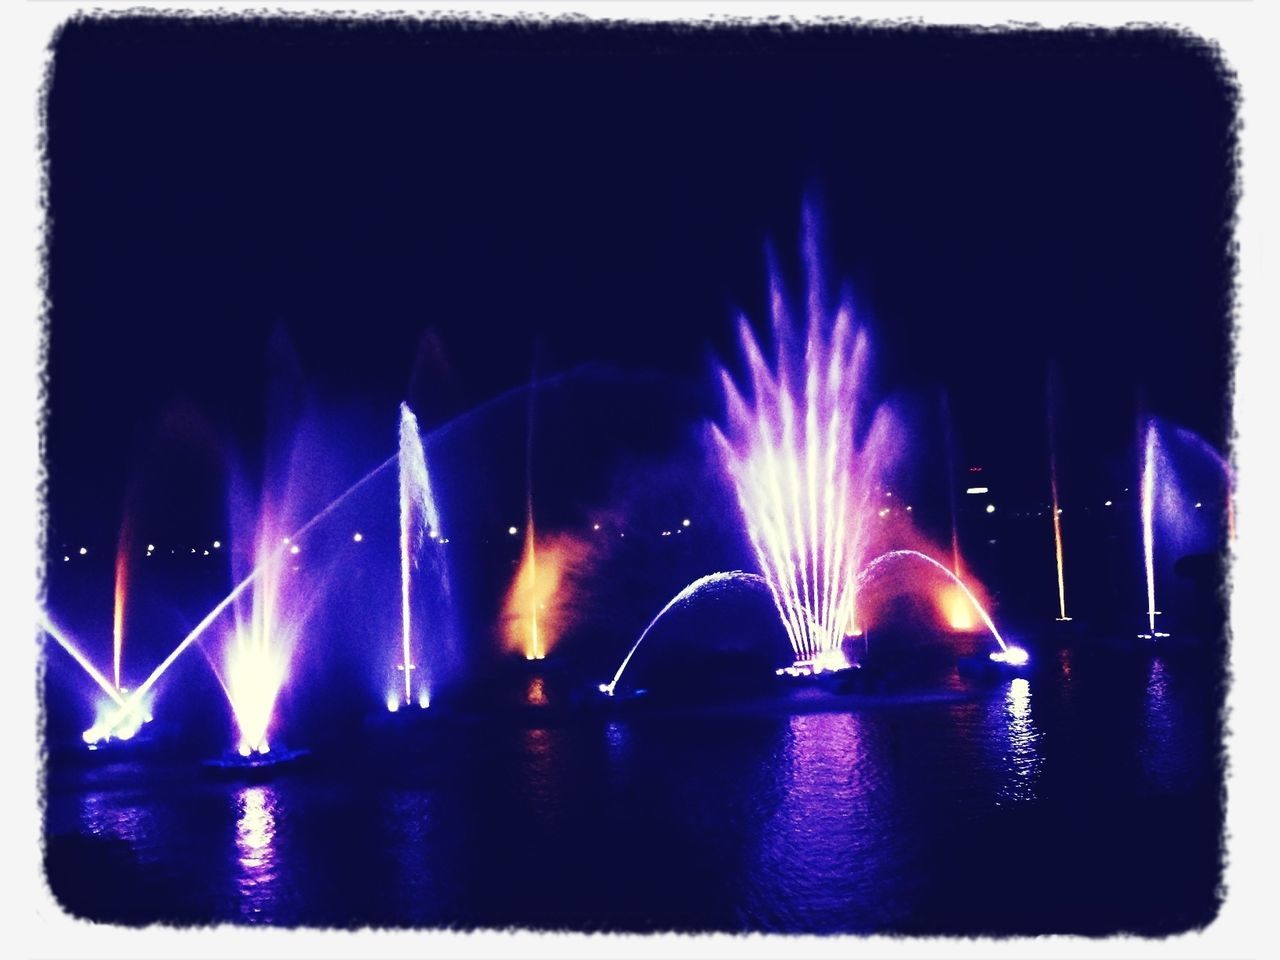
{"type": "Point", "coordinates": [605, 195]}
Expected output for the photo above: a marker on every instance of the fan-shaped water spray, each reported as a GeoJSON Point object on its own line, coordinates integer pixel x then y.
{"type": "Point", "coordinates": [803, 482]}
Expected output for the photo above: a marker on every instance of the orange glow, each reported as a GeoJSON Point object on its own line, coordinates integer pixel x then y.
{"type": "Point", "coordinates": [956, 609]}
{"type": "Point", "coordinates": [117, 615]}
{"type": "Point", "coordinates": [534, 612]}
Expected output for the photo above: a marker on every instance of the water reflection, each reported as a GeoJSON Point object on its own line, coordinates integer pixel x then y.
{"type": "Point", "coordinates": [536, 693]}
{"type": "Point", "coordinates": [255, 850]}
{"type": "Point", "coordinates": [1021, 757]}
{"type": "Point", "coordinates": [1165, 755]}
{"type": "Point", "coordinates": [827, 855]}
{"type": "Point", "coordinates": [102, 815]}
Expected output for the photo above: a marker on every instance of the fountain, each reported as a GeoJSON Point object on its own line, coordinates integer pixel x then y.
{"type": "Point", "coordinates": [1014, 656]}
{"type": "Point", "coordinates": [419, 522]}
{"type": "Point", "coordinates": [803, 481]}
{"type": "Point", "coordinates": [1056, 506]}
{"type": "Point", "coordinates": [1150, 454]}
{"type": "Point", "coordinates": [710, 583]}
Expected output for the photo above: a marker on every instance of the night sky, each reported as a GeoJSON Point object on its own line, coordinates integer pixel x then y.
{"type": "Point", "coordinates": [432, 212]}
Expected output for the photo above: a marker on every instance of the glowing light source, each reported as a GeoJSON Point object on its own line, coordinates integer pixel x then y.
{"type": "Point", "coordinates": [295, 549]}
{"type": "Point", "coordinates": [83, 551]}
{"type": "Point", "coordinates": [685, 522]}
{"type": "Point", "coordinates": [991, 508]}
{"type": "Point", "coordinates": [1107, 503]}
{"type": "Point", "coordinates": [357, 536]}
{"type": "Point", "coordinates": [393, 701]}
{"type": "Point", "coordinates": [217, 544]}
{"type": "Point", "coordinates": [150, 547]}
{"type": "Point", "coordinates": [512, 531]}
{"type": "Point", "coordinates": [977, 490]}
{"type": "Point", "coordinates": [1014, 656]}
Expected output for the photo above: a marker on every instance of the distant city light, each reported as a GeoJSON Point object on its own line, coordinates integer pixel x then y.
{"type": "Point", "coordinates": [991, 508]}
{"type": "Point", "coordinates": [512, 530]}
{"type": "Point", "coordinates": [217, 544]}
{"type": "Point", "coordinates": [977, 490]}
{"type": "Point", "coordinates": [884, 512]}
{"type": "Point", "coordinates": [595, 526]}
{"type": "Point", "coordinates": [908, 508]}
{"type": "Point", "coordinates": [684, 522]}
{"type": "Point", "coordinates": [150, 547]}
{"type": "Point", "coordinates": [65, 558]}
{"type": "Point", "coordinates": [193, 549]}
{"type": "Point", "coordinates": [284, 539]}
{"type": "Point", "coordinates": [206, 553]}
{"type": "Point", "coordinates": [83, 551]}
{"type": "Point", "coordinates": [294, 549]}
{"type": "Point", "coordinates": [1107, 504]}
{"type": "Point", "coordinates": [1198, 504]}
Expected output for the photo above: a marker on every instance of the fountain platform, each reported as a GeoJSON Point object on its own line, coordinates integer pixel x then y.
{"type": "Point", "coordinates": [256, 766]}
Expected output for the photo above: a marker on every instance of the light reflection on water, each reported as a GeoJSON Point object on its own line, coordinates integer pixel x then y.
{"type": "Point", "coordinates": [1020, 758]}
{"type": "Point", "coordinates": [104, 815]}
{"type": "Point", "coordinates": [823, 850]}
{"type": "Point", "coordinates": [852, 821]}
{"type": "Point", "coordinates": [255, 850]}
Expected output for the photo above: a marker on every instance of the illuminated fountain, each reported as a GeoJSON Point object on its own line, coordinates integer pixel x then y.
{"type": "Point", "coordinates": [1006, 654]}
{"type": "Point", "coordinates": [419, 523]}
{"type": "Point", "coordinates": [117, 610]}
{"type": "Point", "coordinates": [1057, 511]}
{"type": "Point", "coordinates": [1150, 454]}
{"type": "Point", "coordinates": [256, 656]}
{"type": "Point", "coordinates": [804, 479]}
{"type": "Point", "coordinates": [543, 591]}
{"type": "Point", "coordinates": [126, 717]}
{"type": "Point", "coordinates": [113, 721]}
{"type": "Point", "coordinates": [703, 585]}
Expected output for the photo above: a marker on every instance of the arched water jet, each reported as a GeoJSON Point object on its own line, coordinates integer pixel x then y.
{"type": "Point", "coordinates": [1006, 653]}
{"type": "Point", "coordinates": [1203, 445]}
{"type": "Point", "coordinates": [711, 579]}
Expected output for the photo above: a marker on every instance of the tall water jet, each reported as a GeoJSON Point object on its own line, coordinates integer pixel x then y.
{"type": "Point", "coordinates": [1148, 499]}
{"type": "Point", "coordinates": [948, 433]}
{"type": "Point", "coordinates": [543, 591]}
{"type": "Point", "coordinates": [419, 520]}
{"type": "Point", "coordinates": [803, 483]}
{"type": "Point", "coordinates": [534, 651]}
{"type": "Point", "coordinates": [117, 611]}
{"type": "Point", "coordinates": [1057, 507]}
{"type": "Point", "coordinates": [257, 654]}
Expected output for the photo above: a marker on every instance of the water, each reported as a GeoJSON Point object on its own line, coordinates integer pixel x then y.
{"type": "Point", "coordinates": [1084, 797]}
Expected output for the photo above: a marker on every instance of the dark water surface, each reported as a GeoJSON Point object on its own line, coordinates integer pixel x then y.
{"type": "Point", "coordinates": [1084, 797]}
